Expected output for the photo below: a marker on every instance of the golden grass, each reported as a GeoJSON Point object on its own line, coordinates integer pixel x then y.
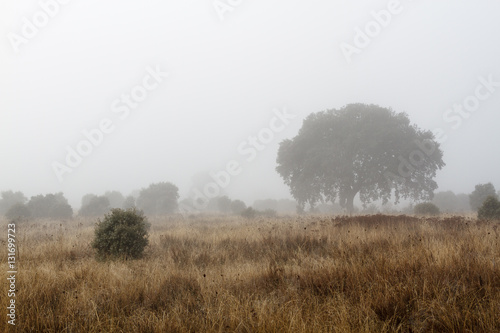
{"type": "Point", "coordinates": [286, 274]}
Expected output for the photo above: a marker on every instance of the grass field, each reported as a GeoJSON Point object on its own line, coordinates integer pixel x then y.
{"type": "Point", "coordinates": [286, 274]}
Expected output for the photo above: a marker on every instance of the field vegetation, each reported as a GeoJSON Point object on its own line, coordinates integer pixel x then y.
{"type": "Point", "coordinates": [204, 273]}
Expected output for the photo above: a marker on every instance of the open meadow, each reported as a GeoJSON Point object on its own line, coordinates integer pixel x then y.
{"type": "Point", "coordinates": [204, 273]}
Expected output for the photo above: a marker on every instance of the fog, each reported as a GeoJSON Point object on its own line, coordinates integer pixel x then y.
{"type": "Point", "coordinates": [177, 90]}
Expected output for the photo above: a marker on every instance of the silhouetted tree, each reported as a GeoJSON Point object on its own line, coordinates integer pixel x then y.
{"type": "Point", "coordinates": [50, 206]}
{"type": "Point", "coordinates": [158, 199]}
{"type": "Point", "coordinates": [480, 193]}
{"type": "Point", "coordinates": [97, 206]}
{"type": "Point", "coordinates": [224, 204]}
{"type": "Point", "coordinates": [86, 199]}
{"type": "Point", "coordinates": [9, 199]}
{"type": "Point", "coordinates": [129, 202]}
{"type": "Point", "coordinates": [115, 198]}
{"type": "Point", "coordinates": [18, 211]}
{"type": "Point", "coordinates": [363, 149]}
{"type": "Point", "coordinates": [238, 206]}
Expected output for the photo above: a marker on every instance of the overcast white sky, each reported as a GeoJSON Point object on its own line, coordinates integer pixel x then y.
{"type": "Point", "coordinates": [225, 79]}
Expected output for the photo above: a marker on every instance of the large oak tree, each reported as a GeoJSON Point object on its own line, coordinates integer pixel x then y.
{"type": "Point", "coordinates": [359, 149]}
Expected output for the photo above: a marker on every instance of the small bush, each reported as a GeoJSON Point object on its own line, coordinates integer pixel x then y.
{"type": "Point", "coordinates": [249, 213]}
{"type": "Point", "coordinates": [426, 208]}
{"type": "Point", "coordinates": [18, 211]}
{"type": "Point", "coordinates": [269, 213]}
{"type": "Point", "coordinates": [490, 209]}
{"type": "Point", "coordinates": [122, 234]}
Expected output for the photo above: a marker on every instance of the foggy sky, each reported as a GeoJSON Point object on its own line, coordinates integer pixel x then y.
{"type": "Point", "coordinates": [226, 81]}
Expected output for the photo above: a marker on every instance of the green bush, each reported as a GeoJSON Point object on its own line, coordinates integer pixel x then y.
{"type": "Point", "coordinates": [18, 211]}
{"type": "Point", "coordinates": [490, 209]}
{"type": "Point", "coordinates": [122, 234]}
{"type": "Point", "coordinates": [426, 208]}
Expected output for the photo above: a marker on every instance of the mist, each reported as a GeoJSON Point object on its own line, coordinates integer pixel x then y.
{"type": "Point", "coordinates": [108, 96]}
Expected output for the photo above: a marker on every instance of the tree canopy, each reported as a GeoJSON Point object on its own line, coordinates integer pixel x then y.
{"type": "Point", "coordinates": [96, 206]}
{"type": "Point", "coordinates": [480, 194]}
{"type": "Point", "coordinates": [158, 199]}
{"type": "Point", "coordinates": [116, 199]}
{"type": "Point", "coordinates": [9, 199]}
{"type": "Point", "coordinates": [363, 149]}
{"type": "Point", "coordinates": [50, 206]}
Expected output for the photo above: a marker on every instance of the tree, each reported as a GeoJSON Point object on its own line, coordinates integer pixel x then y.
{"type": "Point", "coordinates": [129, 202]}
{"type": "Point", "coordinates": [490, 209]}
{"type": "Point", "coordinates": [97, 206]}
{"type": "Point", "coordinates": [121, 234]}
{"type": "Point", "coordinates": [87, 198]}
{"type": "Point", "coordinates": [224, 204]}
{"type": "Point", "coordinates": [479, 195]}
{"type": "Point", "coordinates": [115, 198]}
{"type": "Point", "coordinates": [359, 149]}
{"type": "Point", "coordinates": [238, 206]}
{"type": "Point", "coordinates": [9, 199]}
{"type": "Point", "coordinates": [18, 211]}
{"type": "Point", "coordinates": [159, 199]}
{"type": "Point", "coordinates": [50, 206]}
{"type": "Point", "coordinates": [249, 213]}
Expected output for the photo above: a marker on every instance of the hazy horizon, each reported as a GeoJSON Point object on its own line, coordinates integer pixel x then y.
{"type": "Point", "coordinates": [207, 80]}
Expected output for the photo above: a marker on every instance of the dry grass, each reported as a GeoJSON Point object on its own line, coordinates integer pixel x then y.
{"type": "Point", "coordinates": [287, 274]}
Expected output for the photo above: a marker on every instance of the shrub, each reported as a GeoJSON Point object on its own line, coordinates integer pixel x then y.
{"type": "Point", "coordinates": [122, 234]}
{"type": "Point", "coordinates": [249, 213]}
{"type": "Point", "coordinates": [426, 208]}
{"type": "Point", "coordinates": [490, 209]}
{"type": "Point", "coordinates": [269, 213]}
{"type": "Point", "coordinates": [18, 211]}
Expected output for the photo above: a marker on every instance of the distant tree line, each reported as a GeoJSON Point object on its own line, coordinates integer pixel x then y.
{"type": "Point", "coordinates": [158, 199]}
{"type": "Point", "coordinates": [16, 205]}
{"type": "Point", "coordinates": [162, 199]}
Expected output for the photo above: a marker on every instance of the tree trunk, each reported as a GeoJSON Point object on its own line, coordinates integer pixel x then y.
{"type": "Point", "coordinates": [350, 201]}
